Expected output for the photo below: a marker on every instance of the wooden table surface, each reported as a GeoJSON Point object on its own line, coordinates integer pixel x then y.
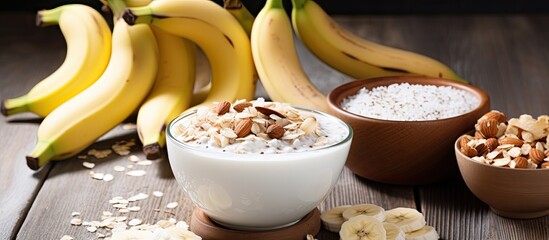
{"type": "Point", "coordinates": [506, 55]}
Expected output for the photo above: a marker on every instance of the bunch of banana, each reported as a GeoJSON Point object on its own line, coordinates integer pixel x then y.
{"type": "Point", "coordinates": [354, 55]}
{"type": "Point", "coordinates": [277, 62]}
{"type": "Point", "coordinates": [219, 35]}
{"type": "Point", "coordinates": [126, 81]}
{"type": "Point", "coordinates": [369, 221]}
{"type": "Point", "coordinates": [88, 40]}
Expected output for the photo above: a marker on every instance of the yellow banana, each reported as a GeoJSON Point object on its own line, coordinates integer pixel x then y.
{"type": "Point", "coordinates": [246, 19]}
{"type": "Point", "coordinates": [356, 56]}
{"type": "Point", "coordinates": [216, 32]}
{"type": "Point", "coordinates": [277, 62]}
{"type": "Point", "coordinates": [81, 120]}
{"type": "Point", "coordinates": [88, 39]}
{"type": "Point", "coordinates": [171, 93]}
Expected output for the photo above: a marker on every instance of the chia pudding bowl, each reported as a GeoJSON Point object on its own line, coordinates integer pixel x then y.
{"type": "Point", "coordinates": [405, 126]}
{"type": "Point", "coordinates": [246, 176]}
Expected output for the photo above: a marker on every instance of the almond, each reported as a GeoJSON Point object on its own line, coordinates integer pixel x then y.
{"type": "Point", "coordinates": [482, 149]}
{"type": "Point", "coordinates": [243, 127]}
{"type": "Point", "coordinates": [536, 155]}
{"type": "Point", "coordinates": [268, 112]}
{"type": "Point", "coordinates": [521, 162]}
{"type": "Point", "coordinates": [464, 139]}
{"type": "Point", "coordinates": [275, 131]}
{"type": "Point", "coordinates": [241, 106]}
{"type": "Point", "coordinates": [491, 144]}
{"type": "Point", "coordinates": [497, 115]}
{"type": "Point", "coordinates": [222, 107]}
{"type": "Point", "coordinates": [478, 135]}
{"type": "Point", "coordinates": [488, 128]}
{"type": "Point", "coordinates": [545, 165]}
{"type": "Point", "coordinates": [511, 140]}
{"type": "Point", "coordinates": [469, 151]}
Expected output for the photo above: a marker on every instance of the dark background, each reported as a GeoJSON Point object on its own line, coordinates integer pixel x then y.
{"type": "Point", "coordinates": [351, 6]}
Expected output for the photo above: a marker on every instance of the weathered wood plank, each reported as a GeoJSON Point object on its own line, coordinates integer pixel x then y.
{"type": "Point", "coordinates": [69, 188]}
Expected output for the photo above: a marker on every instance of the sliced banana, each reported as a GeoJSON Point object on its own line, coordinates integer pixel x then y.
{"type": "Point", "coordinates": [424, 233]}
{"type": "Point", "coordinates": [362, 227]}
{"type": "Point", "coordinates": [371, 210]}
{"type": "Point", "coordinates": [393, 232]}
{"type": "Point", "coordinates": [408, 219]}
{"type": "Point", "coordinates": [333, 218]}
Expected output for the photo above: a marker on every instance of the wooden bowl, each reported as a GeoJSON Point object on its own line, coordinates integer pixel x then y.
{"type": "Point", "coordinates": [405, 152]}
{"type": "Point", "coordinates": [510, 192]}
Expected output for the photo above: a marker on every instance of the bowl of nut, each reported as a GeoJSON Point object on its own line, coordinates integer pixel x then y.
{"type": "Point", "coordinates": [257, 165]}
{"type": "Point", "coordinates": [405, 127]}
{"type": "Point", "coordinates": [504, 162]}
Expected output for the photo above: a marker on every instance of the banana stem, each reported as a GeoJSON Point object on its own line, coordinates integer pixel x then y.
{"type": "Point", "coordinates": [117, 8]}
{"type": "Point", "coordinates": [138, 15]}
{"type": "Point", "coordinates": [299, 3]}
{"type": "Point", "coordinates": [41, 154]}
{"type": "Point", "coordinates": [14, 105]}
{"type": "Point", "coordinates": [274, 4]}
{"type": "Point", "coordinates": [232, 4]}
{"type": "Point", "coordinates": [48, 17]}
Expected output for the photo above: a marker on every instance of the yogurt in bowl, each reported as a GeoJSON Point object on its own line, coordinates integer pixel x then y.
{"type": "Point", "coordinates": [257, 165]}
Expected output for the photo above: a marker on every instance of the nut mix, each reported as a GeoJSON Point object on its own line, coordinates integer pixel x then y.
{"type": "Point", "coordinates": [515, 143]}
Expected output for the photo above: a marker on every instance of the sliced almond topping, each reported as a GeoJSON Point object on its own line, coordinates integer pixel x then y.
{"type": "Point", "coordinates": [269, 112]}
{"type": "Point", "coordinates": [514, 152]}
{"type": "Point", "coordinates": [500, 162]}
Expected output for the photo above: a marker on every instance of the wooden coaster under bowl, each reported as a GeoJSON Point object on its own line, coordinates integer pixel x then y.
{"type": "Point", "coordinates": [204, 227]}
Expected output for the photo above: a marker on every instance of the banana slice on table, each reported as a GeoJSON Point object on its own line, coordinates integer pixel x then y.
{"type": "Point", "coordinates": [393, 232]}
{"type": "Point", "coordinates": [333, 218]}
{"type": "Point", "coordinates": [408, 219]}
{"type": "Point", "coordinates": [371, 210]}
{"type": "Point", "coordinates": [362, 227]}
{"type": "Point", "coordinates": [424, 233]}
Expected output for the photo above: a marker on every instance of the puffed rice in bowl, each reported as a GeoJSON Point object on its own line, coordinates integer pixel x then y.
{"type": "Point", "coordinates": [405, 126]}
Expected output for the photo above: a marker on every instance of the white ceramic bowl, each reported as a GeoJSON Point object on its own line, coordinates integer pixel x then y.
{"type": "Point", "coordinates": [257, 191]}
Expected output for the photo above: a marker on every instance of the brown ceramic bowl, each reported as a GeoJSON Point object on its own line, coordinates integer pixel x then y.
{"type": "Point", "coordinates": [405, 152]}
{"type": "Point", "coordinates": [510, 192]}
